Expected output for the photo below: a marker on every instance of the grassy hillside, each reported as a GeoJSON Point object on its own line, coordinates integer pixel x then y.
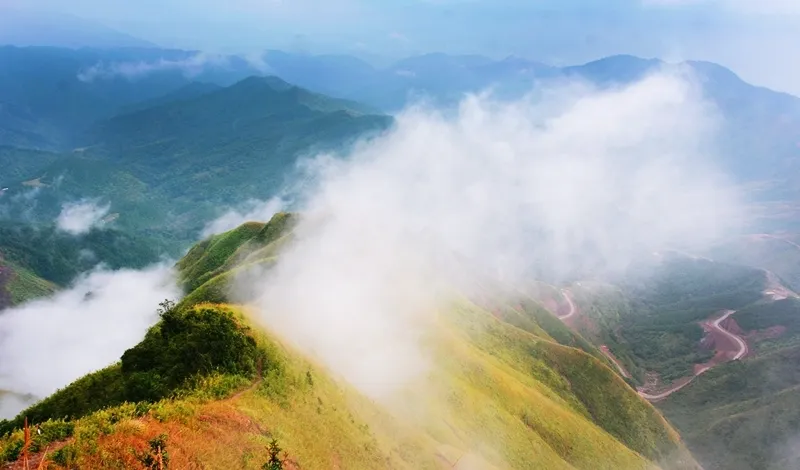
{"type": "Point", "coordinates": [738, 416]}
{"type": "Point", "coordinates": [651, 323]}
{"type": "Point", "coordinates": [744, 415]}
{"type": "Point", "coordinates": [22, 285]}
{"type": "Point", "coordinates": [498, 397]}
{"type": "Point", "coordinates": [217, 386]}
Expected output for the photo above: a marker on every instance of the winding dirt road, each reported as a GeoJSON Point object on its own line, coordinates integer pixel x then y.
{"type": "Point", "coordinates": [607, 352]}
{"type": "Point", "coordinates": [571, 304]}
{"type": "Point", "coordinates": [712, 327]}
{"type": "Point", "coordinates": [677, 386]}
{"type": "Point", "coordinates": [739, 341]}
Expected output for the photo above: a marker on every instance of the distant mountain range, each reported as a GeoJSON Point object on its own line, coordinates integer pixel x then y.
{"type": "Point", "coordinates": [26, 27]}
{"type": "Point", "coordinates": [167, 137]}
{"type": "Point", "coordinates": [51, 98]}
{"type": "Point", "coordinates": [165, 167]}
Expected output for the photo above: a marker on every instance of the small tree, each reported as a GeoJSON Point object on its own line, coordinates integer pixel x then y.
{"type": "Point", "coordinates": [165, 307]}
{"type": "Point", "coordinates": [157, 457]}
{"type": "Point", "coordinates": [274, 462]}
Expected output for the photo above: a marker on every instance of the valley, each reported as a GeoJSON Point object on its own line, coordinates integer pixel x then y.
{"type": "Point", "coordinates": [723, 386]}
{"type": "Point", "coordinates": [531, 390]}
{"type": "Point", "coordinates": [380, 267]}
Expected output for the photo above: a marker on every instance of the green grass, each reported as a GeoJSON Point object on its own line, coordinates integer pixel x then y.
{"type": "Point", "coordinates": [652, 323]}
{"type": "Point", "coordinates": [24, 285]}
{"type": "Point", "coordinates": [497, 395]}
{"type": "Point", "coordinates": [59, 258]}
{"type": "Point", "coordinates": [742, 415]}
{"type": "Point", "coordinates": [186, 345]}
{"type": "Point", "coordinates": [577, 380]}
{"type": "Point", "coordinates": [785, 312]}
{"type": "Point", "coordinates": [204, 260]}
{"type": "Point", "coordinates": [249, 243]}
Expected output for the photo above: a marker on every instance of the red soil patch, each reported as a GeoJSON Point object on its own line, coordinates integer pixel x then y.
{"type": "Point", "coordinates": [733, 327]}
{"type": "Point", "coordinates": [727, 344]}
{"type": "Point", "coordinates": [552, 305]}
{"type": "Point", "coordinates": [726, 348]}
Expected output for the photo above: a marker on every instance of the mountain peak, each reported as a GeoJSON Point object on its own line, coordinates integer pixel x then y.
{"type": "Point", "coordinates": [270, 81]}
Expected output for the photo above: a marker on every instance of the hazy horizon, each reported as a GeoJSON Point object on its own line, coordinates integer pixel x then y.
{"type": "Point", "coordinates": [739, 34]}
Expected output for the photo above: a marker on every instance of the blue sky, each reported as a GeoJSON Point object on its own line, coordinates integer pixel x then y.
{"type": "Point", "coordinates": [754, 37]}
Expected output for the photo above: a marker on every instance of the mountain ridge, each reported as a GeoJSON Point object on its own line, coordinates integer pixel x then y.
{"type": "Point", "coordinates": [539, 395]}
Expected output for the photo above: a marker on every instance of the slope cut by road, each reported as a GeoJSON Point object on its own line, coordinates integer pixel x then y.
{"type": "Point", "coordinates": [713, 328]}
{"type": "Point", "coordinates": [738, 340]}
{"type": "Point", "coordinates": [607, 352]}
{"type": "Point", "coordinates": [570, 304]}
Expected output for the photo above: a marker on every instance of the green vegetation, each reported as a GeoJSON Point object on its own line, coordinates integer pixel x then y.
{"type": "Point", "coordinates": [168, 169]}
{"type": "Point", "coordinates": [785, 312]}
{"type": "Point", "coordinates": [500, 396]}
{"type": "Point", "coordinates": [21, 164]}
{"type": "Point", "coordinates": [206, 259]}
{"type": "Point", "coordinates": [186, 343]}
{"type": "Point", "coordinates": [739, 415]}
{"type": "Point", "coordinates": [743, 415]}
{"type": "Point", "coordinates": [156, 457]}
{"type": "Point", "coordinates": [23, 285]}
{"type": "Point", "coordinates": [653, 325]}
{"type": "Point", "coordinates": [775, 254]}
{"type": "Point", "coordinates": [243, 140]}
{"type": "Point", "coordinates": [274, 461]}
{"type": "Point", "coordinates": [207, 268]}
{"type": "Point", "coordinates": [43, 252]}
{"type": "Point", "coordinates": [183, 347]}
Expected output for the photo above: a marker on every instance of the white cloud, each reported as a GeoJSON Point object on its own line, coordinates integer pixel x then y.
{"type": "Point", "coordinates": [47, 344]}
{"type": "Point", "coordinates": [573, 181]}
{"type": "Point", "coordinates": [252, 210]}
{"type": "Point", "coordinates": [80, 217]}
{"type": "Point", "coordinates": [257, 61]}
{"type": "Point", "coordinates": [190, 67]}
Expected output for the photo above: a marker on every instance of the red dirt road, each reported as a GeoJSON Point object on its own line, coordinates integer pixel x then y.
{"type": "Point", "coordinates": [728, 347]}
{"type": "Point", "coordinates": [570, 304]}
{"type": "Point", "coordinates": [607, 352]}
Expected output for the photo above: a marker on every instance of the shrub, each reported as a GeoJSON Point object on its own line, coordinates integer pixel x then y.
{"type": "Point", "coordinates": [274, 462]}
{"type": "Point", "coordinates": [156, 457]}
{"type": "Point", "coordinates": [203, 349]}
{"type": "Point", "coordinates": [66, 456]}
{"type": "Point", "coordinates": [199, 341]}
